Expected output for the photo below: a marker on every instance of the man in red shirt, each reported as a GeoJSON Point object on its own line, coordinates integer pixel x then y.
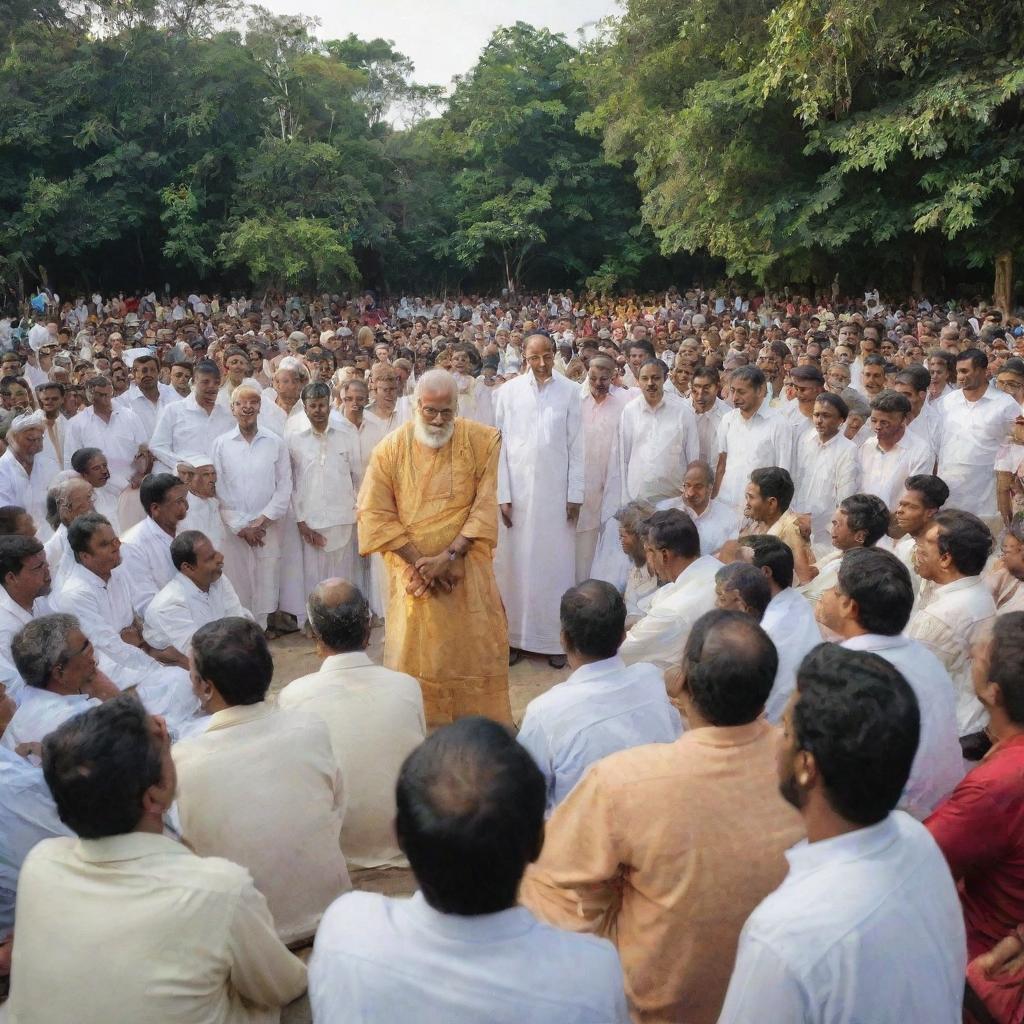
{"type": "Point", "coordinates": [980, 827]}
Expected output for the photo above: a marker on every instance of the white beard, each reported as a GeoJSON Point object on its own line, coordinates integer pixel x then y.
{"type": "Point", "coordinates": [431, 436]}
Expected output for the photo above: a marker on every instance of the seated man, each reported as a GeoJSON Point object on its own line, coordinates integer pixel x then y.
{"type": "Point", "coordinates": [260, 786]}
{"type": "Point", "coordinates": [788, 619]}
{"type": "Point", "coordinates": [146, 546]}
{"type": "Point", "coordinates": [24, 587]}
{"type": "Point", "coordinates": [604, 706]}
{"type": "Point", "coordinates": [768, 496]}
{"type": "Point", "coordinates": [470, 819]}
{"type": "Point", "coordinates": [66, 500]}
{"type": "Point", "coordinates": [199, 593]}
{"type": "Point", "coordinates": [641, 583]}
{"type": "Point", "coordinates": [374, 715]}
{"type": "Point", "coordinates": [668, 847]}
{"type": "Point", "coordinates": [742, 588]}
{"type": "Point", "coordinates": [98, 592]}
{"type": "Point", "coordinates": [62, 679]}
{"type": "Point", "coordinates": [867, 609]}
{"type": "Point", "coordinates": [673, 552]}
{"type": "Point", "coordinates": [868, 889]}
{"type": "Point", "coordinates": [136, 926]}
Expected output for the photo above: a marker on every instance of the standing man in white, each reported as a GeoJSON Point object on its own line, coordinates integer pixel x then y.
{"type": "Point", "coordinates": [540, 491]}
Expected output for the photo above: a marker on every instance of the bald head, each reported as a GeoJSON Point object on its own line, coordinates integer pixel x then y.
{"type": "Point", "coordinates": [339, 615]}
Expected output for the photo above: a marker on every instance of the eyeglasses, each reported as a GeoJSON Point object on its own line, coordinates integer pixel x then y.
{"type": "Point", "coordinates": [432, 414]}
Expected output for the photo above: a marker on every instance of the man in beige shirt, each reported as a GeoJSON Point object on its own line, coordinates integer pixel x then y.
{"type": "Point", "coordinates": [125, 923]}
{"type": "Point", "coordinates": [261, 786]}
{"type": "Point", "coordinates": [667, 848]}
{"type": "Point", "coordinates": [374, 715]}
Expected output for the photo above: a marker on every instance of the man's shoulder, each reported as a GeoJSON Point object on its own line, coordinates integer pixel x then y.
{"type": "Point", "coordinates": [479, 435]}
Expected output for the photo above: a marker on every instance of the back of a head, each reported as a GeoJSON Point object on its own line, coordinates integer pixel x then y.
{"type": "Point", "coordinates": [470, 816]}
{"type": "Point", "coordinates": [339, 616]}
{"type": "Point", "coordinates": [232, 654]}
{"type": "Point", "coordinates": [10, 515]}
{"type": "Point", "coordinates": [965, 538]}
{"type": "Point", "coordinates": [675, 531]}
{"type": "Point", "coordinates": [730, 664]}
{"type": "Point", "coordinates": [880, 584]}
{"type": "Point", "coordinates": [867, 513]}
{"type": "Point", "coordinates": [593, 618]}
{"type": "Point", "coordinates": [99, 765]}
{"type": "Point", "coordinates": [774, 553]}
{"type": "Point", "coordinates": [1006, 663]}
{"type": "Point", "coordinates": [749, 582]}
{"type": "Point", "coordinates": [859, 718]}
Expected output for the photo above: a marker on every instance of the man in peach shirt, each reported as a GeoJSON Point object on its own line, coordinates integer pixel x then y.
{"type": "Point", "coordinates": [667, 848]}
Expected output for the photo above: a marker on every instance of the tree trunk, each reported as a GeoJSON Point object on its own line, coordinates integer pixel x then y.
{"type": "Point", "coordinates": [1003, 288]}
{"type": "Point", "coordinates": [917, 274]}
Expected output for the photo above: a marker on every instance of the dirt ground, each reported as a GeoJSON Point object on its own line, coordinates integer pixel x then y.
{"type": "Point", "coordinates": [295, 656]}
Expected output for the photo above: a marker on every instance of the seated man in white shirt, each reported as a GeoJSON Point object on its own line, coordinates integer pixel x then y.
{"type": "Point", "coordinates": [470, 818]}
{"type": "Point", "coordinates": [868, 608]}
{"type": "Point", "coordinates": [62, 678]}
{"type": "Point", "coordinates": [740, 587]}
{"type": "Point", "coordinates": [146, 547]}
{"type": "Point", "coordinates": [788, 619]}
{"type": "Point", "coordinates": [673, 551]}
{"type": "Point", "coordinates": [716, 522]}
{"type": "Point", "coordinates": [66, 500]}
{"type": "Point", "coordinates": [258, 778]}
{"type": "Point", "coordinates": [135, 925]}
{"type": "Point", "coordinates": [869, 888]}
{"type": "Point", "coordinates": [374, 715]}
{"type": "Point", "coordinates": [604, 706]}
{"type": "Point", "coordinates": [197, 594]}
{"type": "Point", "coordinates": [24, 590]}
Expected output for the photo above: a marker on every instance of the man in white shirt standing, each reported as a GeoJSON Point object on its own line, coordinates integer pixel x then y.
{"type": "Point", "coordinates": [923, 421]}
{"type": "Point", "coordinates": [604, 706]}
{"type": "Point", "coordinates": [868, 608]}
{"type": "Point", "coordinates": [26, 471]}
{"type": "Point", "coordinates": [198, 593]}
{"type": "Point", "coordinates": [868, 888]}
{"type": "Point", "coordinates": [254, 479]}
{"type": "Point", "coordinates": [708, 410]}
{"type": "Point", "coordinates": [976, 420]}
{"type": "Point", "coordinates": [147, 395]}
{"type": "Point", "coordinates": [471, 818]}
{"type": "Point", "coordinates": [326, 473]}
{"type": "Point", "coordinates": [888, 458]}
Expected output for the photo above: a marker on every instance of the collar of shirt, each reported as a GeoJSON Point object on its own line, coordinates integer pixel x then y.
{"type": "Point", "coordinates": [87, 576]}
{"type": "Point", "coordinates": [597, 669]}
{"type": "Point", "coordinates": [190, 589]}
{"type": "Point", "coordinates": [806, 857]}
{"type": "Point", "coordinates": [350, 659]}
{"type": "Point", "coordinates": [874, 642]}
{"type": "Point", "coordinates": [505, 924]}
{"type": "Point", "coordinates": [239, 714]}
{"type": "Point", "coordinates": [129, 846]}
{"type": "Point", "coordinates": [260, 432]}
{"type": "Point", "coordinates": [834, 439]}
{"type": "Point", "coordinates": [8, 604]}
{"type": "Point", "coordinates": [727, 735]}
{"type": "Point", "coordinates": [963, 583]}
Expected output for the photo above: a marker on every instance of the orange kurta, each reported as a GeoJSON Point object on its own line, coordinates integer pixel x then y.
{"type": "Point", "coordinates": [455, 644]}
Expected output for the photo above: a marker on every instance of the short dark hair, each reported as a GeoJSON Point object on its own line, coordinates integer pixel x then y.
{"type": "Point", "coordinates": [875, 360]}
{"type": "Point", "coordinates": [342, 627]}
{"type": "Point", "coordinates": [774, 482]}
{"type": "Point", "coordinates": [708, 372]}
{"type": "Point", "coordinates": [978, 359]}
{"type": "Point", "coordinates": [183, 547]}
{"type": "Point", "coordinates": [965, 538]}
{"type": "Point", "coordinates": [749, 582]}
{"type": "Point", "coordinates": [470, 816]}
{"type": "Point", "coordinates": [82, 457]}
{"type": "Point", "coordinates": [9, 516]}
{"type": "Point", "coordinates": [807, 373]}
{"type": "Point", "coordinates": [155, 487]}
{"type": "Point", "coordinates": [83, 529]}
{"type": "Point", "coordinates": [675, 530]}
{"type": "Point", "coordinates": [208, 367]}
{"type": "Point", "coordinates": [730, 664]}
{"type": "Point", "coordinates": [880, 584]}
{"type": "Point", "coordinates": [99, 765]}
{"type": "Point", "coordinates": [932, 488]}
{"type": "Point", "coordinates": [891, 401]}
{"type": "Point", "coordinates": [145, 357]}
{"type": "Point", "coordinates": [859, 718]}
{"type": "Point", "coordinates": [14, 549]}
{"type": "Point", "coordinates": [949, 358]}
{"type": "Point", "coordinates": [916, 376]}
{"type": "Point", "coordinates": [827, 398]}
{"type": "Point", "coordinates": [641, 343]}
{"type": "Point", "coordinates": [318, 389]}
{"type": "Point", "coordinates": [593, 618]}
{"type": "Point", "coordinates": [1006, 662]}
{"type": "Point", "coordinates": [751, 374]}
{"type": "Point", "coordinates": [774, 553]}
{"type": "Point", "coordinates": [866, 512]}
{"type": "Point", "coordinates": [232, 653]}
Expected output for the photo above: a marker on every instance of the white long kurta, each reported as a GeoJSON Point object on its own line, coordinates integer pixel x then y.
{"type": "Point", "coordinates": [655, 445]}
{"type": "Point", "coordinates": [541, 469]}
{"type": "Point", "coordinates": [180, 608]}
{"type": "Point", "coordinates": [253, 479]}
{"type": "Point", "coordinates": [825, 474]}
{"type": "Point", "coordinates": [184, 428]}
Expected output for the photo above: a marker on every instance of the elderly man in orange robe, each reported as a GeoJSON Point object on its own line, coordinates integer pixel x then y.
{"type": "Point", "coordinates": [428, 503]}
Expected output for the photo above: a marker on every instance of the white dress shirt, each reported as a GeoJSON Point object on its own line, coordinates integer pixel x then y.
{"type": "Point", "coordinates": [272, 775]}
{"type": "Point", "coordinates": [824, 475]}
{"type": "Point", "coordinates": [181, 608]}
{"type": "Point", "coordinates": [253, 478]}
{"type": "Point", "coordinates": [146, 557]}
{"type": "Point", "coordinates": [971, 435]}
{"type": "Point", "coordinates": [146, 411]}
{"type": "Point", "coordinates": [866, 929]}
{"type": "Point", "coordinates": [660, 636]}
{"type": "Point", "coordinates": [326, 474]}
{"type": "Point", "coordinates": [948, 621]}
{"type": "Point", "coordinates": [715, 525]}
{"type": "Point", "coordinates": [375, 718]}
{"type": "Point", "coordinates": [883, 473]}
{"type": "Point", "coordinates": [13, 618]}
{"type": "Point", "coordinates": [40, 712]}
{"type": "Point", "coordinates": [204, 515]}
{"type": "Point", "coordinates": [708, 424]}
{"type": "Point", "coordinates": [655, 446]}
{"type": "Point", "coordinates": [184, 428]}
{"type": "Point", "coordinates": [748, 444]}
{"type": "Point", "coordinates": [939, 764]}
{"type": "Point", "coordinates": [789, 621]}
{"type": "Point", "coordinates": [118, 438]}
{"type": "Point", "coordinates": [58, 556]}
{"type": "Point", "coordinates": [378, 959]}
{"type": "Point", "coordinates": [28, 490]}
{"type": "Point", "coordinates": [601, 708]}
{"type": "Point", "coordinates": [600, 471]}
{"type": "Point", "coordinates": [927, 425]}
{"type": "Point", "coordinates": [27, 814]}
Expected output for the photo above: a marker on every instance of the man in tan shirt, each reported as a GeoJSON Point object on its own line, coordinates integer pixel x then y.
{"type": "Point", "coordinates": [667, 848]}
{"type": "Point", "coordinates": [125, 923]}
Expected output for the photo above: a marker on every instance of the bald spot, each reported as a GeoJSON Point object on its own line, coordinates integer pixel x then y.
{"type": "Point", "coordinates": [335, 591]}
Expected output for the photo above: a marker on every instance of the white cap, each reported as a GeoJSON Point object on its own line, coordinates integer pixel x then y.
{"type": "Point", "coordinates": [38, 336]}
{"type": "Point", "coordinates": [195, 461]}
{"type": "Point", "coordinates": [26, 421]}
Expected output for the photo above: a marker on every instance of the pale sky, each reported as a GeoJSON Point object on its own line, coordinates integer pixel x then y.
{"type": "Point", "coordinates": [443, 37]}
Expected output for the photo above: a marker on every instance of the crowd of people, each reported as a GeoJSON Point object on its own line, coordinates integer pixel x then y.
{"type": "Point", "coordinates": [775, 545]}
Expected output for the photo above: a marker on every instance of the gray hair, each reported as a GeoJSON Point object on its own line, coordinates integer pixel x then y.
{"type": "Point", "coordinates": [437, 380]}
{"type": "Point", "coordinates": [57, 495]}
{"type": "Point", "coordinates": [292, 365]}
{"type": "Point", "coordinates": [41, 647]}
{"type": "Point", "coordinates": [633, 513]}
{"type": "Point", "coordinates": [318, 389]}
{"type": "Point", "coordinates": [856, 403]}
{"type": "Point", "coordinates": [709, 473]}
